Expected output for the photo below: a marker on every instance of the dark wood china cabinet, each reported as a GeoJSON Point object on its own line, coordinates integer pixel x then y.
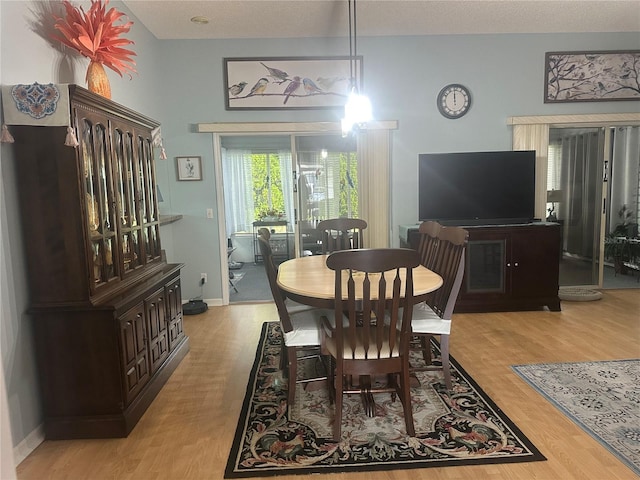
{"type": "Point", "coordinates": [106, 305]}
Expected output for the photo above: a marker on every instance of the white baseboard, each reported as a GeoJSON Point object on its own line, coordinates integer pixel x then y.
{"type": "Point", "coordinates": [28, 445]}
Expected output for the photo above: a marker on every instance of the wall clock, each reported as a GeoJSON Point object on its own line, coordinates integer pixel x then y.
{"type": "Point", "coordinates": [454, 100]}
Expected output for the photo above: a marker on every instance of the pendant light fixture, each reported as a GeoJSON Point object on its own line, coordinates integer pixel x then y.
{"type": "Point", "coordinates": [357, 110]}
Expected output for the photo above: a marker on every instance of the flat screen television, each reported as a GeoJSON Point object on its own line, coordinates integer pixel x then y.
{"type": "Point", "coordinates": [476, 188]}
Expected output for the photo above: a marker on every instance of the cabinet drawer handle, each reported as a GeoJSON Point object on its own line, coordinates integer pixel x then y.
{"type": "Point", "coordinates": [128, 324]}
{"type": "Point", "coordinates": [508, 264]}
{"type": "Point", "coordinates": [515, 264]}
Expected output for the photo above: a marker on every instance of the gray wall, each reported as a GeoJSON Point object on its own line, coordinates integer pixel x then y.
{"type": "Point", "coordinates": [402, 77]}
{"type": "Point", "coordinates": [180, 84]}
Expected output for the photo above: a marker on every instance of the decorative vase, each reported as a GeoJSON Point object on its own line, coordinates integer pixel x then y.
{"type": "Point", "coordinates": [97, 80]}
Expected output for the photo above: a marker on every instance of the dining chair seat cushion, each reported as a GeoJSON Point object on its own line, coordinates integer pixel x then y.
{"type": "Point", "coordinates": [306, 327]}
{"type": "Point", "coordinates": [425, 320]}
{"type": "Point", "coordinates": [359, 351]}
{"type": "Point", "coordinates": [295, 307]}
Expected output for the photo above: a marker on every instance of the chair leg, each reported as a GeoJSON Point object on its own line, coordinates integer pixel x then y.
{"type": "Point", "coordinates": [331, 378]}
{"type": "Point", "coordinates": [406, 399]}
{"type": "Point", "coordinates": [337, 420]}
{"type": "Point", "coordinates": [425, 344]}
{"type": "Point", "coordinates": [292, 367]}
{"type": "Point", "coordinates": [444, 351]}
{"type": "Point", "coordinates": [284, 360]}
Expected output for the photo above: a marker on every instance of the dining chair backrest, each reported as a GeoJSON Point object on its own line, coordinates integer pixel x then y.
{"type": "Point", "coordinates": [341, 234]}
{"type": "Point", "coordinates": [428, 245]}
{"type": "Point", "coordinates": [449, 264]}
{"type": "Point", "coordinates": [272, 276]}
{"type": "Point", "coordinates": [264, 232]}
{"type": "Point", "coordinates": [366, 274]}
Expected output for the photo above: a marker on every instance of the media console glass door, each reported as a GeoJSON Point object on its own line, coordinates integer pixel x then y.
{"type": "Point", "coordinates": [486, 266]}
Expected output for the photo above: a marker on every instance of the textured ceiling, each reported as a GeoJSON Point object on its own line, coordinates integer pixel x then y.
{"type": "Point", "coordinates": [328, 18]}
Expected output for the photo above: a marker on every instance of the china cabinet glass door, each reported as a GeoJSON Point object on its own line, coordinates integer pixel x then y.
{"type": "Point", "coordinates": [128, 189]}
{"type": "Point", "coordinates": [149, 213]}
{"type": "Point", "coordinates": [98, 200]}
{"type": "Point", "coordinates": [121, 211]}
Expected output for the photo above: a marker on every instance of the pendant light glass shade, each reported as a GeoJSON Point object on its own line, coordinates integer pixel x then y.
{"type": "Point", "coordinates": [357, 111]}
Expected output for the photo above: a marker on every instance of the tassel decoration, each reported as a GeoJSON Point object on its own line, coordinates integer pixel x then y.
{"type": "Point", "coordinates": [163, 153]}
{"type": "Point", "coordinates": [5, 136]}
{"type": "Point", "coordinates": [71, 140]}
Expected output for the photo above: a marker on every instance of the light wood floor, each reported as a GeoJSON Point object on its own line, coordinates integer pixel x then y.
{"type": "Point", "coordinates": [188, 430]}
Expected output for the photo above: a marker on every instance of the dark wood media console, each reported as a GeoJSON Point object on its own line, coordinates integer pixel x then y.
{"type": "Point", "coordinates": [508, 267]}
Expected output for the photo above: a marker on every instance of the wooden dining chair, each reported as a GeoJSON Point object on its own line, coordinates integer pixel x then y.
{"type": "Point", "coordinates": [265, 233]}
{"type": "Point", "coordinates": [364, 349]}
{"type": "Point", "coordinates": [428, 243]}
{"type": "Point", "coordinates": [434, 316]}
{"type": "Point", "coordinates": [300, 325]}
{"type": "Point", "coordinates": [341, 234]}
{"type": "Point", "coordinates": [291, 305]}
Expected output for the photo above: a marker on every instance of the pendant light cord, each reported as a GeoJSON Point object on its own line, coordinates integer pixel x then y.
{"type": "Point", "coordinates": [351, 45]}
{"type": "Point", "coordinates": [355, 34]}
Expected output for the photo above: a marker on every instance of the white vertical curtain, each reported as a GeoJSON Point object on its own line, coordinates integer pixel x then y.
{"type": "Point", "coordinates": [374, 182]}
{"type": "Point", "coordinates": [236, 165]}
{"type": "Point", "coordinates": [535, 137]}
{"type": "Point", "coordinates": [239, 205]}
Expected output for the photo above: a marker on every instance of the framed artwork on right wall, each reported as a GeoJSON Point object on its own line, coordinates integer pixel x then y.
{"type": "Point", "coordinates": [599, 76]}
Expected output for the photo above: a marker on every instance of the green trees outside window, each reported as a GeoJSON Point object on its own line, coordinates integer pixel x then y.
{"type": "Point", "coordinates": [266, 177]}
{"type": "Point", "coordinates": [335, 188]}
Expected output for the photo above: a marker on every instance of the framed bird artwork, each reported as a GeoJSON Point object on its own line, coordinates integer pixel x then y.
{"type": "Point", "coordinates": [601, 76]}
{"type": "Point", "coordinates": [282, 83]}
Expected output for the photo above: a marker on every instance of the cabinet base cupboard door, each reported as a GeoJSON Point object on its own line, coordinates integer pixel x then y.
{"type": "Point", "coordinates": [509, 268]}
{"type": "Point", "coordinates": [135, 354]}
{"type": "Point", "coordinates": [106, 305]}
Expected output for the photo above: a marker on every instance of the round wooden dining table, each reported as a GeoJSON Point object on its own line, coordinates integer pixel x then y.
{"type": "Point", "coordinates": [308, 280]}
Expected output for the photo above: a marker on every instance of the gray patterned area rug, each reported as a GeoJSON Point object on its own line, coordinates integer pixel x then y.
{"type": "Point", "coordinates": [461, 427]}
{"type": "Point", "coordinates": [603, 398]}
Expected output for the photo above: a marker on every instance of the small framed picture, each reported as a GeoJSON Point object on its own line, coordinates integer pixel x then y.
{"type": "Point", "coordinates": [189, 168]}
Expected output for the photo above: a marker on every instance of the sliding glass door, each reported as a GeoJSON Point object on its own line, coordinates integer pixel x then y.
{"type": "Point", "coordinates": [265, 188]}
{"type": "Point", "coordinates": [327, 185]}
{"type": "Point", "coordinates": [593, 187]}
{"type": "Point", "coordinates": [574, 199]}
{"type": "Point", "coordinates": [345, 186]}
{"type": "Point", "coordinates": [616, 176]}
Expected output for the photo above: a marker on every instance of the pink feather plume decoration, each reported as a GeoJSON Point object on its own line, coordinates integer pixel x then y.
{"type": "Point", "coordinates": [95, 35]}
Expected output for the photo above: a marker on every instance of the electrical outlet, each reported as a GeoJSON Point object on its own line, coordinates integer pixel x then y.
{"type": "Point", "coordinates": [203, 278]}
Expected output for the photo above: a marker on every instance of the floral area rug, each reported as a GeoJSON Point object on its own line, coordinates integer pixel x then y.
{"type": "Point", "coordinates": [459, 428]}
{"type": "Point", "coordinates": [603, 398]}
